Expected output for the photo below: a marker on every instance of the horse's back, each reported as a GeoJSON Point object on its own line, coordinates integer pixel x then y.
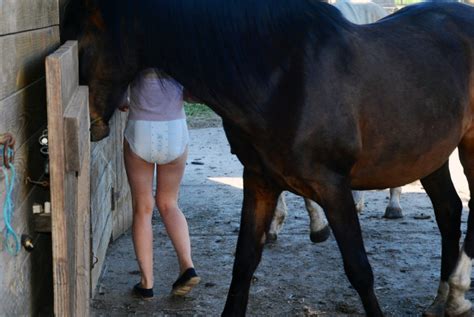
{"type": "Point", "coordinates": [432, 14]}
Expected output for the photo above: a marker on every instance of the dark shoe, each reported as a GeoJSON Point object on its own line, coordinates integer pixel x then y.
{"type": "Point", "coordinates": [144, 293]}
{"type": "Point", "coordinates": [185, 283]}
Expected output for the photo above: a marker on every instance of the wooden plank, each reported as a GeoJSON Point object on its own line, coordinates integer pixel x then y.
{"type": "Point", "coordinates": [69, 191]}
{"type": "Point", "coordinates": [100, 253]}
{"type": "Point", "coordinates": [76, 133]}
{"type": "Point", "coordinates": [122, 213]}
{"type": "Point", "coordinates": [69, 213]}
{"type": "Point", "coordinates": [67, 59]}
{"type": "Point", "coordinates": [22, 15]}
{"type": "Point", "coordinates": [59, 221]}
{"type": "Point", "coordinates": [101, 220]}
{"type": "Point", "coordinates": [102, 175]}
{"type": "Point", "coordinates": [117, 212]}
{"type": "Point", "coordinates": [83, 229]}
{"type": "Point", "coordinates": [24, 115]}
{"type": "Point", "coordinates": [24, 112]}
{"type": "Point", "coordinates": [125, 193]}
{"type": "Point", "coordinates": [22, 58]}
{"type": "Point", "coordinates": [101, 207]}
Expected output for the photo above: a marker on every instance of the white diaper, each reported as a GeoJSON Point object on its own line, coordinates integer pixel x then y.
{"type": "Point", "coordinates": [158, 142]}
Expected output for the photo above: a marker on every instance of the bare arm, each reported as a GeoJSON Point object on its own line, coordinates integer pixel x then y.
{"type": "Point", "coordinates": [125, 102]}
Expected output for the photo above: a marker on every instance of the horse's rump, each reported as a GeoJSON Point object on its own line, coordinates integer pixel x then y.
{"type": "Point", "coordinates": [409, 83]}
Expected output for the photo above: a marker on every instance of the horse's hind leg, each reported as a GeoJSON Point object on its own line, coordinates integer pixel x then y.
{"type": "Point", "coordinates": [394, 210]}
{"type": "Point", "coordinates": [281, 212]}
{"type": "Point", "coordinates": [359, 200]}
{"type": "Point", "coordinates": [260, 199]}
{"type": "Point", "coordinates": [318, 227]}
{"type": "Point", "coordinates": [338, 204]}
{"type": "Point", "coordinates": [460, 279]}
{"type": "Point", "coordinates": [447, 206]}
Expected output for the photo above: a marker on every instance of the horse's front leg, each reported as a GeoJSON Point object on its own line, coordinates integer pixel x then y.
{"type": "Point", "coordinates": [338, 204]}
{"type": "Point", "coordinates": [260, 198]}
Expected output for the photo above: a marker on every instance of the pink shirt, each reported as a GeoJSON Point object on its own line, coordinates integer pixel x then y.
{"type": "Point", "coordinates": [155, 99]}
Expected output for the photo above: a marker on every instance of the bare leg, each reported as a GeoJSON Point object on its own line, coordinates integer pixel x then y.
{"type": "Point", "coordinates": [394, 209]}
{"type": "Point", "coordinates": [168, 181]}
{"type": "Point", "coordinates": [140, 177]}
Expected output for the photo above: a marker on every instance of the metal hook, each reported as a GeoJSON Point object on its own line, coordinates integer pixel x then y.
{"type": "Point", "coordinates": [7, 153]}
{"type": "Point", "coordinates": [39, 183]}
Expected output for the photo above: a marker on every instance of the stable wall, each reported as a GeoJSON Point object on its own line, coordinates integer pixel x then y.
{"type": "Point", "coordinates": [28, 32]}
{"type": "Point", "coordinates": [111, 212]}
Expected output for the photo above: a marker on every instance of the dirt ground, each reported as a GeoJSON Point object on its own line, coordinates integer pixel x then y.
{"type": "Point", "coordinates": [295, 276]}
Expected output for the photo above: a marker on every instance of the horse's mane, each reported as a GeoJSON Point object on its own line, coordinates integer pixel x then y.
{"type": "Point", "coordinates": [236, 47]}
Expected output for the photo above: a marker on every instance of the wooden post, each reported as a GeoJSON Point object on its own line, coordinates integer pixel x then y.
{"type": "Point", "coordinates": [68, 133]}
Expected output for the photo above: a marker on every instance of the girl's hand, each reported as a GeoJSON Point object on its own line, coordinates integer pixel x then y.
{"type": "Point", "coordinates": [125, 103]}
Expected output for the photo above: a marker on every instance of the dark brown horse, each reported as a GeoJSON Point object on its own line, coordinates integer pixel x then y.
{"type": "Point", "coordinates": [351, 107]}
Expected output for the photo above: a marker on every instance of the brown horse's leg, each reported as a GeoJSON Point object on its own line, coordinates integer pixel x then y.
{"type": "Point", "coordinates": [447, 207]}
{"type": "Point", "coordinates": [260, 199]}
{"type": "Point", "coordinates": [460, 279]}
{"type": "Point", "coordinates": [338, 204]}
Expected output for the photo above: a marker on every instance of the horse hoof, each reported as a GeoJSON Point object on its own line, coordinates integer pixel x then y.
{"type": "Point", "coordinates": [469, 313]}
{"type": "Point", "coordinates": [271, 237]}
{"type": "Point", "coordinates": [321, 235]}
{"type": "Point", "coordinates": [393, 213]}
{"type": "Point", "coordinates": [463, 309]}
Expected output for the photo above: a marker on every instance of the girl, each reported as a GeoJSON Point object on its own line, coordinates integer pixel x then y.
{"type": "Point", "coordinates": [156, 133]}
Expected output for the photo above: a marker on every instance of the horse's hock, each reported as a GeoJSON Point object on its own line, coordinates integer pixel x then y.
{"type": "Point", "coordinates": [83, 183]}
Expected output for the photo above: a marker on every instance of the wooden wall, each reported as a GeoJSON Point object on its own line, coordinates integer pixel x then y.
{"type": "Point", "coordinates": [28, 32]}
{"type": "Point", "coordinates": [111, 213]}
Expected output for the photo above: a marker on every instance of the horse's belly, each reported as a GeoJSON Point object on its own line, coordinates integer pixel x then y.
{"type": "Point", "coordinates": [404, 168]}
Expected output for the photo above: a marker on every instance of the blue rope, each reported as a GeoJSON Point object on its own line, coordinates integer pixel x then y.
{"type": "Point", "coordinates": [8, 209]}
